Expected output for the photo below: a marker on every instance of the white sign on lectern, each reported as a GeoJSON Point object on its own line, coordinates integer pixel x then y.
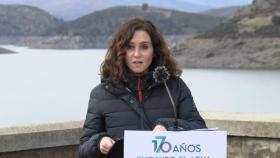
{"type": "Point", "coordinates": [169, 144]}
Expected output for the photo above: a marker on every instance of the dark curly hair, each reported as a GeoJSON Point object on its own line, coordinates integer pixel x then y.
{"type": "Point", "coordinates": [114, 65]}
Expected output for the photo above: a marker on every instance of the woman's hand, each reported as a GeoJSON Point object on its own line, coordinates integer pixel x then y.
{"type": "Point", "coordinates": [159, 127]}
{"type": "Point", "coordinates": [106, 144]}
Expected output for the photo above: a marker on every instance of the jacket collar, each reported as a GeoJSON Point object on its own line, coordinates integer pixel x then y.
{"type": "Point", "coordinates": [119, 88]}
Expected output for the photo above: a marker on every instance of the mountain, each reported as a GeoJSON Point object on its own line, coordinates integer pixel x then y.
{"type": "Point", "coordinates": [224, 12]}
{"type": "Point", "coordinates": [73, 9]}
{"type": "Point", "coordinates": [25, 20]}
{"type": "Point", "coordinates": [169, 21]}
{"type": "Point", "coordinates": [30, 26]}
{"type": "Point", "coordinates": [95, 29]}
{"type": "Point", "coordinates": [85, 7]}
{"type": "Point", "coordinates": [250, 39]}
{"type": "Point", "coordinates": [261, 19]}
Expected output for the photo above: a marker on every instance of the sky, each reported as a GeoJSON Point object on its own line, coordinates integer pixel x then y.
{"type": "Point", "coordinates": [69, 9]}
{"type": "Point", "coordinates": [220, 3]}
{"type": "Point", "coordinates": [214, 3]}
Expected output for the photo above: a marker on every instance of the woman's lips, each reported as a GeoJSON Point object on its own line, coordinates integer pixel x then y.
{"type": "Point", "coordinates": [137, 63]}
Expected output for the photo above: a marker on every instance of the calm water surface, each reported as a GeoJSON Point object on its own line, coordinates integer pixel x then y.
{"type": "Point", "coordinates": [40, 86]}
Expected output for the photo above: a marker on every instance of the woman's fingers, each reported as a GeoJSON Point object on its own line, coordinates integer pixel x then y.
{"type": "Point", "coordinates": [106, 144]}
{"type": "Point", "coordinates": [159, 127]}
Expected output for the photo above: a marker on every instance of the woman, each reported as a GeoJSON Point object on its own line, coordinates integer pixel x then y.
{"type": "Point", "coordinates": [129, 98]}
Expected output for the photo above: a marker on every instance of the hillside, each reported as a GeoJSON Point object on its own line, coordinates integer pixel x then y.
{"type": "Point", "coordinates": [169, 21]}
{"type": "Point", "coordinates": [94, 30]}
{"type": "Point", "coordinates": [33, 27]}
{"type": "Point", "coordinates": [20, 20]}
{"type": "Point", "coordinates": [250, 40]}
{"type": "Point", "coordinates": [73, 9]}
{"type": "Point", "coordinates": [224, 12]}
{"type": "Point", "coordinates": [262, 19]}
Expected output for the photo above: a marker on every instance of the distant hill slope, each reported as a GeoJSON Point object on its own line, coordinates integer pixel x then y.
{"type": "Point", "coordinates": [224, 12]}
{"type": "Point", "coordinates": [250, 40]}
{"type": "Point", "coordinates": [30, 26]}
{"type": "Point", "coordinates": [25, 20]}
{"type": "Point", "coordinates": [95, 30]}
{"type": "Point", "coordinates": [262, 19]}
{"type": "Point", "coordinates": [170, 22]}
{"type": "Point", "coordinates": [73, 9]}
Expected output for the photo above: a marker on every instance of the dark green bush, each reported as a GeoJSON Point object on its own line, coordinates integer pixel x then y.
{"type": "Point", "coordinates": [276, 20]}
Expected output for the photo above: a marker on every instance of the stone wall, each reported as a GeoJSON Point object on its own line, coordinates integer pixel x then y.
{"type": "Point", "coordinates": [249, 136]}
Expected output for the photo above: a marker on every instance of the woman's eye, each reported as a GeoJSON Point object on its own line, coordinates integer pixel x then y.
{"type": "Point", "coordinates": [130, 47]}
{"type": "Point", "coordinates": [144, 47]}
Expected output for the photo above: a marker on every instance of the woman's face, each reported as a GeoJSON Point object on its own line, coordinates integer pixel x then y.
{"type": "Point", "coordinates": [139, 52]}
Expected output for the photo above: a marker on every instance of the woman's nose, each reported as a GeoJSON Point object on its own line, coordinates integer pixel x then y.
{"type": "Point", "coordinates": [137, 52]}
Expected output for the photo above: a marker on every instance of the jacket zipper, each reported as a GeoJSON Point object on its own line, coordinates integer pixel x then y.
{"type": "Point", "coordinates": [141, 120]}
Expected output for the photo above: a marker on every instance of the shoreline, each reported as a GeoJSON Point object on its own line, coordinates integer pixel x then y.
{"type": "Point", "coordinates": [6, 51]}
{"type": "Point", "coordinates": [187, 61]}
{"type": "Point", "coordinates": [243, 53]}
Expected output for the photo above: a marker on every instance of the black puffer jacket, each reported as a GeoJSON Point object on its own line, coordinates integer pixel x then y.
{"type": "Point", "coordinates": [115, 108]}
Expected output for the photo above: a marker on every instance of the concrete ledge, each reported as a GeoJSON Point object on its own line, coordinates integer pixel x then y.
{"type": "Point", "coordinates": [54, 152]}
{"type": "Point", "coordinates": [245, 124]}
{"type": "Point", "coordinates": [40, 136]}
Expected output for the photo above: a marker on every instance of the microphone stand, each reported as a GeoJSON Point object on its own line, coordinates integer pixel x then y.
{"type": "Point", "coordinates": [161, 74]}
{"type": "Point", "coordinates": [175, 121]}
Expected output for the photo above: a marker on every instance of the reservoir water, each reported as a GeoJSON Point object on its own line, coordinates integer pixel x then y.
{"type": "Point", "coordinates": [45, 85]}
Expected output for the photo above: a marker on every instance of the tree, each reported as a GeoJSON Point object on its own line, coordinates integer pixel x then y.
{"type": "Point", "coordinates": [145, 6]}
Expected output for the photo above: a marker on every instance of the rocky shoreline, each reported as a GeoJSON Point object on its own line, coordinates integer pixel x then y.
{"type": "Point", "coordinates": [71, 41]}
{"type": "Point", "coordinates": [249, 40]}
{"type": "Point", "coordinates": [249, 53]}
{"type": "Point", "coordinates": [5, 51]}
{"type": "Point", "coordinates": [56, 42]}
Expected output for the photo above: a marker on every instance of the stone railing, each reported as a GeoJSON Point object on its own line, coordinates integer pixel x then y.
{"type": "Point", "coordinates": [249, 136]}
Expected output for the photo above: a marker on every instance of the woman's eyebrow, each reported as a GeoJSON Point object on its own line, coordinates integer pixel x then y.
{"type": "Point", "coordinates": [145, 42]}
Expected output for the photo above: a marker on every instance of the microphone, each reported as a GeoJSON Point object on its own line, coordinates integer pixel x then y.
{"type": "Point", "coordinates": [161, 74]}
